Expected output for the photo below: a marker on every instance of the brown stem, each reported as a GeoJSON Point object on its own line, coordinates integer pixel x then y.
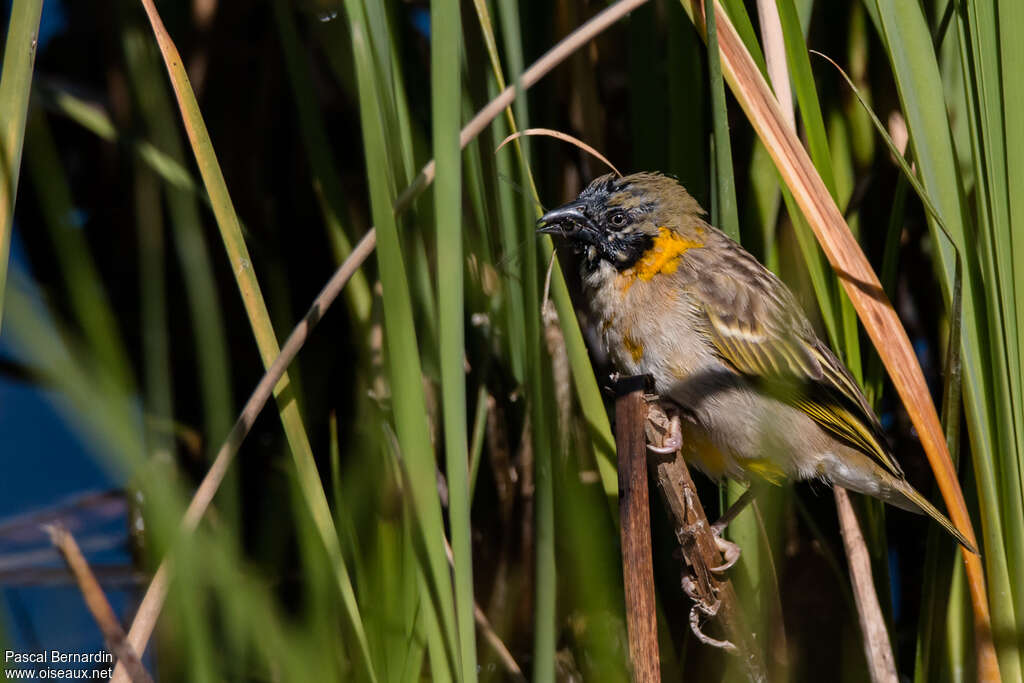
{"type": "Point", "coordinates": [635, 526]}
{"type": "Point", "coordinates": [877, 649]}
{"type": "Point", "coordinates": [98, 605]}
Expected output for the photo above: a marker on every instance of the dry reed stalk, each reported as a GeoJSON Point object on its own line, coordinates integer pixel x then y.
{"type": "Point", "coordinates": [98, 605]}
{"type": "Point", "coordinates": [635, 527]}
{"type": "Point", "coordinates": [877, 649]}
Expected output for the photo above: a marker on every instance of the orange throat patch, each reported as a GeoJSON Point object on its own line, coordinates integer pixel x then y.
{"type": "Point", "coordinates": [664, 255]}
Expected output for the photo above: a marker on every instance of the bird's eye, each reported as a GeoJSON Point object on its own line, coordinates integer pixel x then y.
{"type": "Point", "coordinates": [618, 219]}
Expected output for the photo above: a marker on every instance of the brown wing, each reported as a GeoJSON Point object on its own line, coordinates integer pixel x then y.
{"type": "Point", "coordinates": [758, 328]}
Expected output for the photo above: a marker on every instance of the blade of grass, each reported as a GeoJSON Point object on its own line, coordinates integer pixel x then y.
{"type": "Point", "coordinates": [818, 147]}
{"type": "Point", "coordinates": [155, 330]}
{"type": "Point", "coordinates": [15, 86]}
{"type": "Point", "coordinates": [326, 179]}
{"type": "Point", "coordinates": [538, 375]}
{"type": "Point", "coordinates": [1010, 250]}
{"type": "Point", "coordinates": [95, 119]}
{"type": "Point", "coordinates": [1012, 57]}
{"type": "Point", "coordinates": [476, 442]}
{"type": "Point", "coordinates": [817, 269]}
{"type": "Point", "coordinates": [166, 157]}
{"type": "Point", "coordinates": [806, 94]}
{"type": "Point", "coordinates": [446, 105]}
{"type": "Point", "coordinates": [101, 409]}
{"type": "Point", "coordinates": [938, 569]}
{"type": "Point", "coordinates": [857, 56]}
{"type": "Point", "coordinates": [435, 643]}
{"type": "Point", "coordinates": [89, 302]}
{"type": "Point", "coordinates": [989, 433]}
{"type": "Point", "coordinates": [862, 286]}
{"type": "Point", "coordinates": [873, 375]}
{"type": "Point", "coordinates": [724, 213]}
{"type": "Point", "coordinates": [392, 88]}
{"type": "Point", "coordinates": [979, 40]}
{"type": "Point", "coordinates": [397, 584]}
{"type": "Point", "coordinates": [343, 518]}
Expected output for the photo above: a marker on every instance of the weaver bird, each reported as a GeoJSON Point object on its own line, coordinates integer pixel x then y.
{"type": "Point", "coordinates": [724, 340]}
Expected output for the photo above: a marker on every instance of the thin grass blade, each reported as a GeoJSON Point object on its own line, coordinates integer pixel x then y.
{"type": "Point", "coordinates": [15, 86]}
{"type": "Point", "coordinates": [724, 212]}
{"type": "Point", "coordinates": [326, 179]}
{"type": "Point", "coordinates": [446, 105]}
{"type": "Point", "coordinates": [165, 156]}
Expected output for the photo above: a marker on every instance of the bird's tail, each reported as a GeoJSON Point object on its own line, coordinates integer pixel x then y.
{"type": "Point", "coordinates": [915, 502]}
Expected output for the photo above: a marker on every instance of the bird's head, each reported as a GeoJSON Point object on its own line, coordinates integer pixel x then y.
{"type": "Point", "coordinates": [617, 219]}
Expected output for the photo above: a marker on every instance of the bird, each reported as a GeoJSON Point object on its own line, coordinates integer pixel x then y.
{"type": "Point", "coordinates": [758, 394]}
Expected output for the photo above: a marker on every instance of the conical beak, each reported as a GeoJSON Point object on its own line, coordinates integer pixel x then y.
{"type": "Point", "coordinates": [567, 221]}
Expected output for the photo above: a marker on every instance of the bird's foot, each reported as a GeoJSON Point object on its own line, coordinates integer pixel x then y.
{"type": "Point", "coordinates": [730, 551]}
{"type": "Point", "coordinates": [672, 441]}
{"type": "Point", "coordinates": [706, 607]}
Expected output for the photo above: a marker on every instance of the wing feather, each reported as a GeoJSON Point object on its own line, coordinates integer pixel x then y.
{"type": "Point", "coordinates": [758, 328]}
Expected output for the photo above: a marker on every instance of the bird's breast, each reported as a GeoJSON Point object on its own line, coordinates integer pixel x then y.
{"type": "Point", "coordinates": [648, 325]}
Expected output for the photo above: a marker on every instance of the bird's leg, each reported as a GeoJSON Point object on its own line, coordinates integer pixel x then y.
{"type": "Point", "coordinates": [673, 440]}
{"type": "Point", "coordinates": [734, 510]}
{"type": "Point", "coordinates": [729, 550]}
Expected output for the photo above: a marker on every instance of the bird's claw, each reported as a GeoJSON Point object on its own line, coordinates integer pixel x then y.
{"type": "Point", "coordinates": [730, 551]}
{"type": "Point", "coordinates": [673, 440]}
{"type": "Point", "coordinates": [701, 606]}
{"type": "Point", "coordinates": [726, 645]}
